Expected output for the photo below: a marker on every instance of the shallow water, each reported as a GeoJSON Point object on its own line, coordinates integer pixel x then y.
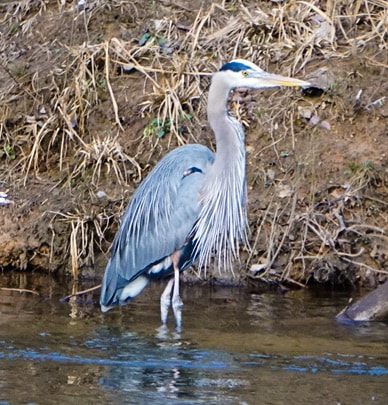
{"type": "Point", "coordinates": [235, 348]}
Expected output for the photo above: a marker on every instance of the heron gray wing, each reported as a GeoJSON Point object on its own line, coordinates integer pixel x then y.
{"type": "Point", "coordinates": [159, 217]}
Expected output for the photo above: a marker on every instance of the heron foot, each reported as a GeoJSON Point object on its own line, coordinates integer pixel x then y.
{"type": "Point", "coordinates": [162, 332]}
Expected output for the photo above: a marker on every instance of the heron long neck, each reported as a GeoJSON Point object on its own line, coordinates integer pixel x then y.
{"type": "Point", "coordinates": [222, 220]}
{"type": "Point", "coordinates": [228, 131]}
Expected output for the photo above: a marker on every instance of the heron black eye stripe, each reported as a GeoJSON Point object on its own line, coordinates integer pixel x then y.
{"type": "Point", "coordinates": [191, 170]}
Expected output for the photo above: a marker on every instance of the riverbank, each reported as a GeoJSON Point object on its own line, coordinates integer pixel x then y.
{"type": "Point", "coordinates": [91, 97]}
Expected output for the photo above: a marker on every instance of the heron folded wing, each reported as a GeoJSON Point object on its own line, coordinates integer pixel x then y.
{"type": "Point", "coordinates": [159, 218]}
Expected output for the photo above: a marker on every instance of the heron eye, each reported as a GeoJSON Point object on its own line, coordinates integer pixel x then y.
{"type": "Point", "coordinates": [191, 170]}
{"type": "Point", "coordinates": [244, 73]}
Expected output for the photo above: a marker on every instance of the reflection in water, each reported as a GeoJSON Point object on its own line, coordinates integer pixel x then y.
{"type": "Point", "coordinates": [165, 368]}
{"type": "Point", "coordinates": [234, 348]}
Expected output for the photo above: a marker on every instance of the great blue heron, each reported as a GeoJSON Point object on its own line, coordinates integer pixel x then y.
{"type": "Point", "coordinates": [192, 204]}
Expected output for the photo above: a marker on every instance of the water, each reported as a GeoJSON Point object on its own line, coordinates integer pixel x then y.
{"type": "Point", "coordinates": [235, 348]}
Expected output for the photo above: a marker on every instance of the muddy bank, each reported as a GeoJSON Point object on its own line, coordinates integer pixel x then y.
{"type": "Point", "coordinates": [91, 98]}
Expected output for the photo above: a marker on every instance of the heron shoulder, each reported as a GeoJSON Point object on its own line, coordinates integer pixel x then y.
{"type": "Point", "coordinates": [189, 154]}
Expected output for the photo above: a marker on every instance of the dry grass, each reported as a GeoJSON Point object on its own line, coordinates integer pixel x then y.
{"type": "Point", "coordinates": [107, 155]}
{"type": "Point", "coordinates": [174, 54]}
{"type": "Point", "coordinates": [88, 227]}
{"type": "Point", "coordinates": [328, 240]}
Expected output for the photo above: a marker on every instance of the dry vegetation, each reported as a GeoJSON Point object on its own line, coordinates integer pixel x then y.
{"type": "Point", "coordinates": [93, 93]}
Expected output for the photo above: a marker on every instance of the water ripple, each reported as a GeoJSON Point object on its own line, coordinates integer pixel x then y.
{"type": "Point", "coordinates": [213, 360]}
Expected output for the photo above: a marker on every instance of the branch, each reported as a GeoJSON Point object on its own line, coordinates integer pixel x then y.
{"type": "Point", "coordinates": [64, 299]}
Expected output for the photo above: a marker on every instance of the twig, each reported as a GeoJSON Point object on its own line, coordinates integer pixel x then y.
{"type": "Point", "coordinates": [292, 281]}
{"type": "Point", "coordinates": [20, 290]}
{"type": "Point", "coordinates": [367, 226]}
{"type": "Point", "coordinates": [375, 199]}
{"type": "Point", "coordinates": [359, 253]}
{"type": "Point", "coordinates": [64, 299]}
{"type": "Point", "coordinates": [112, 96]}
{"type": "Point", "coordinates": [364, 265]}
{"type": "Point", "coordinates": [309, 257]}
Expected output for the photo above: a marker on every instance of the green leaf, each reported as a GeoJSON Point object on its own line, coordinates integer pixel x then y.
{"type": "Point", "coordinates": [144, 38]}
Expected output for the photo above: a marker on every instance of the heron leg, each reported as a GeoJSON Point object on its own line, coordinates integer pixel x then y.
{"type": "Point", "coordinates": [165, 301]}
{"type": "Point", "coordinates": [177, 303]}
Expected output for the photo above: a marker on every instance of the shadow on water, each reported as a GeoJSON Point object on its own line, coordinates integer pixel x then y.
{"type": "Point", "coordinates": [235, 348]}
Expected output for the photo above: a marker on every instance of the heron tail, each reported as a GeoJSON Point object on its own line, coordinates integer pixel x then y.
{"type": "Point", "coordinates": [117, 290]}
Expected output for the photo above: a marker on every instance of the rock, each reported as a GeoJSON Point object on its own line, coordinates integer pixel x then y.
{"type": "Point", "coordinates": [285, 191]}
{"type": "Point", "coordinates": [371, 307]}
{"type": "Point", "coordinates": [4, 199]}
{"type": "Point", "coordinates": [101, 194]}
{"type": "Point", "coordinates": [305, 112]}
{"type": "Point", "coordinates": [322, 78]}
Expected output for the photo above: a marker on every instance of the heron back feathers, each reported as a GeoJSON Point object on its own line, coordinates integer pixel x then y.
{"type": "Point", "coordinates": [157, 223]}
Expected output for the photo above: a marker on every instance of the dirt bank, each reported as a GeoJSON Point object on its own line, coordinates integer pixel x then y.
{"type": "Point", "coordinates": [91, 96]}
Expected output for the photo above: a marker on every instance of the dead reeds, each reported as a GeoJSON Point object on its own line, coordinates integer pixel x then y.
{"type": "Point", "coordinates": [326, 241]}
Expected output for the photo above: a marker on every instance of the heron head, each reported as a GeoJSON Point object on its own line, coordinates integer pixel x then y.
{"type": "Point", "coordinates": [242, 73]}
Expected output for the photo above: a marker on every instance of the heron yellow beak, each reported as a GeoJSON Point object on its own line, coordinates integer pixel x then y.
{"type": "Point", "coordinates": [278, 80]}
